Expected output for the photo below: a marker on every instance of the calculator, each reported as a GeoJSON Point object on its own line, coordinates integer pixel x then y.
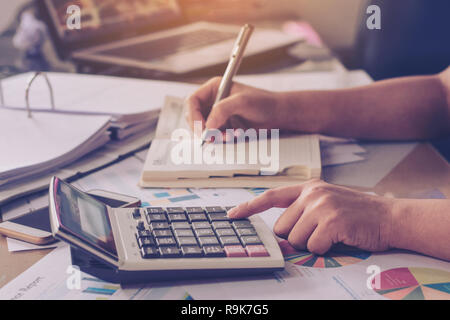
{"type": "Point", "coordinates": [156, 243]}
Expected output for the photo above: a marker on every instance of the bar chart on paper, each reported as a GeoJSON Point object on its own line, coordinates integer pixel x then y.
{"type": "Point", "coordinates": [338, 257]}
{"type": "Point", "coordinates": [413, 284]}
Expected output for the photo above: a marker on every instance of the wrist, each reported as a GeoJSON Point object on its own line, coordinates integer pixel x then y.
{"type": "Point", "coordinates": [399, 225]}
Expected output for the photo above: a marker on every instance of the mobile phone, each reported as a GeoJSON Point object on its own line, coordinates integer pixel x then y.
{"type": "Point", "coordinates": [35, 227]}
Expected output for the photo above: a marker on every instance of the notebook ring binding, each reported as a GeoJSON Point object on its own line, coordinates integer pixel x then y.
{"type": "Point", "coordinates": [30, 83]}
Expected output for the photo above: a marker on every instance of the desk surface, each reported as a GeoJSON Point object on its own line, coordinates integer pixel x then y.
{"type": "Point", "coordinates": [422, 170]}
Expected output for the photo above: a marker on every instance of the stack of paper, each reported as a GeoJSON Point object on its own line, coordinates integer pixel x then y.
{"type": "Point", "coordinates": [266, 162]}
{"type": "Point", "coordinates": [133, 104]}
{"type": "Point", "coordinates": [31, 146]}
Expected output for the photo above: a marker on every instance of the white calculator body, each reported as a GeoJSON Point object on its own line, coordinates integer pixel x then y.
{"type": "Point", "coordinates": [154, 243]}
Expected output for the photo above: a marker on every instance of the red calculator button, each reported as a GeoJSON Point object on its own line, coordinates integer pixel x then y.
{"type": "Point", "coordinates": [256, 251]}
{"type": "Point", "coordinates": [235, 251]}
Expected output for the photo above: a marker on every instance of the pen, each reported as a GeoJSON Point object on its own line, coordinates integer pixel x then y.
{"type": "Point", "coordinates": [233, 65]}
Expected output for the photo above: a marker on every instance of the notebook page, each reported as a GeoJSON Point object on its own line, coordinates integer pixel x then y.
{"type": "Point", "coordinates": [93, 93]}
{"type": "Point", "coordinates": [28, 142]}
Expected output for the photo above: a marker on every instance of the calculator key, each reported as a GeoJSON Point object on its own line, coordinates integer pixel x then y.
{"type": "Point", "coordinates": [170, 252]}
{"type": "Point", "coordinates": [221, 225]}
{"type": "Point", "coordinates": [167, 241]}
{"type": "Point", "coordinates": [256, 251]}
{"type": "Point", "coordinates": [159, 225]}
{"type": "Point", "coordinates": [201, 225]}
{"type": "Point", "coordinates": [176, 210]}
{"type": "Point", "coordinates": [213, 251]}
{"type": "Point", "coordinates": [144, 233]}
{"type": "Point", "coordinates": [235, 251]}
{"type": "Point", "coordinates": [140, 225]}
{"type": "Point", "coordinates": [225, 232]}
{"type": "Point", "coordinates": [229, 240]}
{"type": "Point", "coordinates": [191, 251]}
{"type": "Point", "coordinates": [205, 232]}
{"type": "Point", "coordinates": [156, 217]}
{"type": "Point", "coordinates": [249, 240]}
{"type": "Point", "coordinates": [246, 232]}
{"type": "Point", "coordinates": [136, 214]}
{"type": "Point", "coordinates": [146, 242]}
{"type": "Point", "coordinates": [155, 210]}
{"type": "Point", "coordinates": [197, 217]}
{"type": "Point", "coordinates": [242, 224]}
{"type": "Point", "coordinates": [221, 216]}
{"type": "Point", "coordinates": [186, 241]}
{"type": "Point", "coordinates": [205, 241]}
{"type": "Point", "coordinates": [162, 233]}
{"type": "Point", "coordinates": [181, 225]}
{"type": "Point", "coordinates": [192, 210]}
{"type": "Point", "coordinates": [173, 217]}
{"type": "Point", "coordinates": [228, 208]}
{"type": "Point", "coordinates": [214, 209]}
{"type": "Point", "coordinates": [149, 252]}
{"type": "Point", "coordinates": [183, 233]}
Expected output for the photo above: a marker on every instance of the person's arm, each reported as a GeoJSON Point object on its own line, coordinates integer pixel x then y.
{"type": "Point", "coordinates": [409, 108]}
{"type": "Point", "coordinates": [406, 108]}
{"type": "Point", "coordinates": [319, 215]}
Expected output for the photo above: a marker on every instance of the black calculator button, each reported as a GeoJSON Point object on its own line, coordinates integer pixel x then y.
{"type": "Point", "coordinates": [225, 232]}
{"type": "Point", "coordinates": [175, 210]}
{"type": "Point", "coordinates": [144, 233]}
{"type": "Point", "coordinates": [146, 242]}
{"type": "Point", "coordinates": [155, 210]}
{"type": "Point", "coordinates": [201, 225]}
{"type": "Point", "coordinates": [204, 232]}
{"type": "Point", "coordinates": [221, 225]}
{"type": "Point", "coordinates": [187, 241]}
{"type": "Point", "coordinates": [213, 251]}
{"type": "Point", "coordinates": [181, 225]}
{"type": "Point", "coordinates": [192, 210]}
{"type": "Point", "coordinates": [156, 217]}
{"type": "Point", "coordinates": [159, 225]}
{"type": "Point", "coordinates": [214, 209]}
{"type": "Point", "coordinates": [229, 240]}
{"type": "Point", "coordinates": [162, 233]}
{"type": "Point", "coordinates": [166, 241]}
{"type": "Point", "coordinates": [149, 252]}
{"type": "Point", "coordinates": [242, 224]}
{"type": "Point", "coordinates": [221, 216]}
{"type": "Point", "coordinates": [249, 240]}
{"type": "Point", "coordinates": [177, 217]}
{"type": "Point", "coordinates": [191, 251]}
{"type": "Point", "coordinates": [136, 214]}
{"type": "Point", "coordinates": [246, 232]}
{"type": "Point", "coordinates": [207, 241]}
{"type": "Point", "coordinates": [197, 217]}
{"type": "Point", "coordinates": [169, 252]}
{"type": "Point", "coordinates": [140, 225]}
{"type": "Point", "coordinates": [183, 233]}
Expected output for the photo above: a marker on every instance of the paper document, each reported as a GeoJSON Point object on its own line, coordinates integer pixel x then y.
{"type": "Point", "coordinates": [46, 141]}
{"type": "Point", "coordinates": [182, 159]}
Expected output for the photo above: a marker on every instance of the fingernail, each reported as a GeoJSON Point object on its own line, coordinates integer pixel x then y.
{"type": "Point", "coordinates": [232, 213]}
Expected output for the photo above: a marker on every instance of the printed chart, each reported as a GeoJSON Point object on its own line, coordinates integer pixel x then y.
{"type": "Point", "coordinates": [413, 284]}
{"type": "Point", "coordinates": [169, 197]}
{"type": "Point", "coordinates": [340, 256]}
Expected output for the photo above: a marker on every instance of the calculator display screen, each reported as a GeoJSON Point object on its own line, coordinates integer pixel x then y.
{"type": "Point", "coordinates": [84, 217]}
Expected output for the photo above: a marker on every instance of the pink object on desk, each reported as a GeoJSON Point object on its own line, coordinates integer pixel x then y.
{"type": "Point", "coordinates": [305, 30]}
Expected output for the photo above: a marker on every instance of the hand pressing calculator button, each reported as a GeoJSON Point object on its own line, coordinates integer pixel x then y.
{"type": "Point", "coordinates": [164, 243]}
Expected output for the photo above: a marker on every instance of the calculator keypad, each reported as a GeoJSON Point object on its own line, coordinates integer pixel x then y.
{"type": "Point", "coordinates": [195, 232]}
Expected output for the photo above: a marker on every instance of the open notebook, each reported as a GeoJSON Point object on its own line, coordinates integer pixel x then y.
{"type": "Point", "coordinates": [177, 159]}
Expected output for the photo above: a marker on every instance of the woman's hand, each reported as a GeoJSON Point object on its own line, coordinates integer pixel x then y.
{"type": "Point", "coordinates": [319, 215]}
{"type": "Point", "coordinates": [246, 107]}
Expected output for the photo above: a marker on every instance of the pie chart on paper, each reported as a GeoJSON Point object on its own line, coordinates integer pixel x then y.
{"type": "Point", "coordinates": [414, 284]}
{"type": "Point", "coordinates": [339, 256]}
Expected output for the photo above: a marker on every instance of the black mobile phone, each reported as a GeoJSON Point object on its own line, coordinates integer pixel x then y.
{"type": "Point", "coordinates": [35, 227]}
